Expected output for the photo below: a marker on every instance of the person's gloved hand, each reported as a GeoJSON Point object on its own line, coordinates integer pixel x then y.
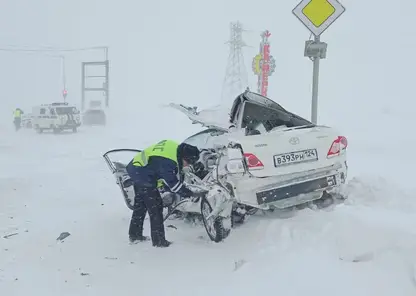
{"type": "Point", "coordinates": [169, 198]}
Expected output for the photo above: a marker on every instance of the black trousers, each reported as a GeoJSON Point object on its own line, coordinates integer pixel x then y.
{"type": "Point", "coordinates": [17, 121]}
{"type": "Point", "coordinates": [147, 200]}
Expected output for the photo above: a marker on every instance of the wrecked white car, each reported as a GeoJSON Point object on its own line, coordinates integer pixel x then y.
{"type": "Point", "coordinates": [291, 161]}
{"type": "Point", "coordinates": [259, 156]}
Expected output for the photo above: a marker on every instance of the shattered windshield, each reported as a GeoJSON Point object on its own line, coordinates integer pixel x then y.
{"type": "Point", "coordinates": [258, 119]}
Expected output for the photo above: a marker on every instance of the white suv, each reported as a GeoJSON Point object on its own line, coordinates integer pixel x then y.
{"type": "Point", "coordinates": [56, 117]}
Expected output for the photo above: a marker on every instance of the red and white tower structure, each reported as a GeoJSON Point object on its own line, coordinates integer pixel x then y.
{"type": "Point", "coordinates": [264, 64]}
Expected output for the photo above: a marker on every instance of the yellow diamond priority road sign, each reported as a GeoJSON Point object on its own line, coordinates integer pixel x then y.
{"type": "Point", "coordinates": [318, 15]}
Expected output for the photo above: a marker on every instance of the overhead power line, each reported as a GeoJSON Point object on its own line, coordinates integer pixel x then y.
{"type": "Point", "coordinates": [28, 50]}
{"type": "Point", "coordinates": [48, 49]}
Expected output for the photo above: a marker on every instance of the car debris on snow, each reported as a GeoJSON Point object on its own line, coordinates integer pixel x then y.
{"type": "Point", "coordinates": [238, 264]}
{"type": "Point", "coordinates": [365, 257]}
{"type": "Point", "coordinates": [10, 235]}
{"type": "Point", "coordinates": [63, 236]}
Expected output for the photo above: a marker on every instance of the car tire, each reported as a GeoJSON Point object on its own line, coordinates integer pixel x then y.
{"type": "Point", "coordinates": [74, 130]}
{"type": "Point", "coordinates": [216, 232]}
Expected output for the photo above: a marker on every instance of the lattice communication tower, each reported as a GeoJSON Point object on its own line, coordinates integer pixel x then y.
{"type": "Point", "coordinates": [236, 78]}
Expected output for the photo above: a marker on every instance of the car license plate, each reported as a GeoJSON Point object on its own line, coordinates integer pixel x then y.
{"type": "Point", "coordinates": [295, 157]}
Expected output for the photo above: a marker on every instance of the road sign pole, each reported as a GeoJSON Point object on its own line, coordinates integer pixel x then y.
{"type": "Point", "coordinates": [315, 86]}
{"type": "Point", "coordinates": [317, 16]}
{"type": "Point", "coordinates": [315, 50]}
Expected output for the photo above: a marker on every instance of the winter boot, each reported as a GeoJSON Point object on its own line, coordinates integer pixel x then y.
{"type": "Point", "coordinates": [138, 239]}
{"type": "Point", "coordinates": [162, 244]}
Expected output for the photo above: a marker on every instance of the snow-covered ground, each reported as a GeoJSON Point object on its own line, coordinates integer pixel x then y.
{"type": "Point", "coordinates": [51, 184]}
{"type": "Point", "coordinates": [173, 51]}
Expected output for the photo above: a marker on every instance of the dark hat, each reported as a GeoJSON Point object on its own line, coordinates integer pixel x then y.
{"type": "Point", "coordinates": [188, 152]}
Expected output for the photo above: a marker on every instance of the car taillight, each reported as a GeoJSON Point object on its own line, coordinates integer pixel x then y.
{"type": "Point", "coordinates": [253, 162]}
{"type": "Point", "coordinates": [339, 145]}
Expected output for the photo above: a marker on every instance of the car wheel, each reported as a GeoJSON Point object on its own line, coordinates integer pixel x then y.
{"type": "Point", "coordinates": [214, 227]}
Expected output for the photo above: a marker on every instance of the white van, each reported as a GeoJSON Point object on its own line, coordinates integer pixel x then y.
{"type": "Point", "coordinates": [56, 117]}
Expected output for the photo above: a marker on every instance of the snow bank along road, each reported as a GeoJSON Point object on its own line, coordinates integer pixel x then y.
{"type": "Point", "coordinates": [51, 184]}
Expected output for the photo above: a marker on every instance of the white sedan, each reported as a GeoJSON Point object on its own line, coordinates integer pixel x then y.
{"type": "Point", "coordinates": [290, 160]}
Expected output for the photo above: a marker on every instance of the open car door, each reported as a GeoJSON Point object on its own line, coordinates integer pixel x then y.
{"type": "Point", "coordinates": [211, 118]}
{"type": "Point", "coordinates": [117, 161]}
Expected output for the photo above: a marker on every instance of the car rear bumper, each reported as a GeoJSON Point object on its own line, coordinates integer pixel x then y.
{"type": "Point", "coordinates": [290, 190]}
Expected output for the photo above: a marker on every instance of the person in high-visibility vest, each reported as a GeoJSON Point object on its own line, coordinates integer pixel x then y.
{"type": "Point", "coordinates": [17, 115]}
{"type": "Point", "coordinates": [150, 169]}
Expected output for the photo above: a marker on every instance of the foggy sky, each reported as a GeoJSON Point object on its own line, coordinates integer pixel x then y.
{"type": "Point", "coordinates": [164, 50]}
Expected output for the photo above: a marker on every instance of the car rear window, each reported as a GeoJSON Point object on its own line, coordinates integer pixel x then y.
{"type": "Point", "coordinates": [257, 117]}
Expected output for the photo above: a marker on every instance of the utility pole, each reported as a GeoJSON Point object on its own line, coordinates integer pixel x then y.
{"type": "Point", "coordinates": [47, 50]}
{"type": "Point", "coordinates": [64, 91]}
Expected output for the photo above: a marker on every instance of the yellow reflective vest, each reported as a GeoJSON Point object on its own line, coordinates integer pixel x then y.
{"type": "Point", "coordinates": [164, 148]}
{"type": "Point", "coordinates": [17, 114]}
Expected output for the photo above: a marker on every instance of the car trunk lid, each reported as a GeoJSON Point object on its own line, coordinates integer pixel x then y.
{"type": "Point", "coordinates": [289, 150]}
{"type": "Point", "coordinates": [215, 117]}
